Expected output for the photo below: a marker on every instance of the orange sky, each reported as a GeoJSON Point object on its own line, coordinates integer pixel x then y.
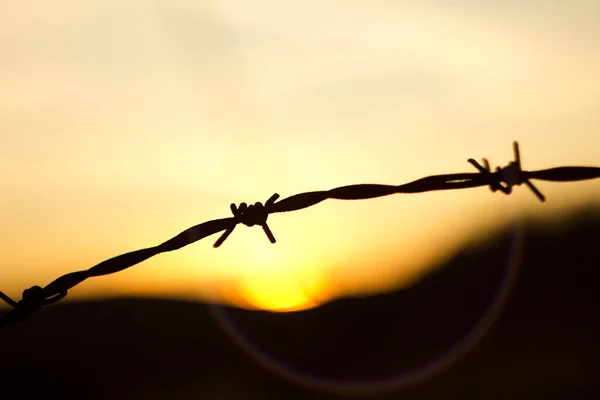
{"type": "Point", "coordinates": [123, 123]}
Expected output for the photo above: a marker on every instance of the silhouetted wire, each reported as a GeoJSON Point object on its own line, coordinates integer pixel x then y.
{"type": "Point", "coordinates": [502, 179]}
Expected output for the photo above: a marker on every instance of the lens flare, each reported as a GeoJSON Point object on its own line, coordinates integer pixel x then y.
{"type": "Point", "coordinates": [411, 377]}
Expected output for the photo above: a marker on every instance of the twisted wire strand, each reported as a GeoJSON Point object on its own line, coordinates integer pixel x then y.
{"type": "Point", "coordinates": [502, 179]}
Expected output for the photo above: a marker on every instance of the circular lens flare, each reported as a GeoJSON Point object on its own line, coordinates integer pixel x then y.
{"type": "Point", "coordinates": [411, 377]}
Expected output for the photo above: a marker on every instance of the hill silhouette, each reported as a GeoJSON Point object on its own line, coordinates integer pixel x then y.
{"type": "Point", "coordinates": [544, 343]}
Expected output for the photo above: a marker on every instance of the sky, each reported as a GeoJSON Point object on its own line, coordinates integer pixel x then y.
{"type": "Point", "coordinates": [123, 123]}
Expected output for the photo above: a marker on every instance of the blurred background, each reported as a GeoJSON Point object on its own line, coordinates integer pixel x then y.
{"type": "Point", "coordinates": [123, 123]}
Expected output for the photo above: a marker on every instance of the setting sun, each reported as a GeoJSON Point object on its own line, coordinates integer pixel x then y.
{"type": "Point", "coordinates": [279, 291]}
{"type": "Point", "coordinates": [280, 277]}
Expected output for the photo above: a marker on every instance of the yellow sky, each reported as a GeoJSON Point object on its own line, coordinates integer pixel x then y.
{"type": "Point", "coordinates": [125, 122]}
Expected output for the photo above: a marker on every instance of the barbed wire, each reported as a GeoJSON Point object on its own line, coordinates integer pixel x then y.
{"type": "Point", "coordinates": [502, 179]}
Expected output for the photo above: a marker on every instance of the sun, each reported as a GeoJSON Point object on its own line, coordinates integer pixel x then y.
{"type": "Point", "coordinates": [281, 277]}
{"type": "Point", "coordinates": [277, 291]}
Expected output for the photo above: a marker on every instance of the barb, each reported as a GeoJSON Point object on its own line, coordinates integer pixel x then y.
{"type": "Point", "coordinates": [502, 179]}
{"type": "Point", "coordinates": [255, 214]}
{"type": "Point", "coordinates": [511, 175]}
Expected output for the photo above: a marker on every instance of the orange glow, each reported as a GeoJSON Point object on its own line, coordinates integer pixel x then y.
{"type": "Point", "coordinates": [116, 140]}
